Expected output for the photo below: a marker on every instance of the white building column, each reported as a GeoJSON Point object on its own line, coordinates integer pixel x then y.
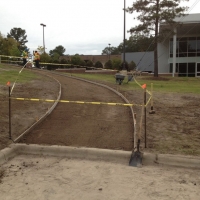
{"type": "Point", "coordinates": [174, 53]}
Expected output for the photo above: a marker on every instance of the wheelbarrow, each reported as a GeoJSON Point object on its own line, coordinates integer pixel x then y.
{"type": "Point", "coordinates": [119, 78]}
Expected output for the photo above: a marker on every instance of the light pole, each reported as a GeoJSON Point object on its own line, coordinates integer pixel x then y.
{"type": "Point", "coordinates": [124, 68]}
{"type": "Point", "coordinates": [43, 35]}
{"type": "Point", "coordinates": [109, 51]}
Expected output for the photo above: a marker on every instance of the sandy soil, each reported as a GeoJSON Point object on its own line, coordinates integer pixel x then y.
{"type": "Point", "coordinates": [39, 177]}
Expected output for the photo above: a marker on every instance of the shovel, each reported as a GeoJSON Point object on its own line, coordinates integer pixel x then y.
{"type": "Point", "coordinates": [136, 157]}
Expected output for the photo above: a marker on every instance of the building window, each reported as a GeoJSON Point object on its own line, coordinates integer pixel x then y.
{"type": "Point", "coordinates": [198, 69]}
{"type": "Point", "coordinates": [186, 47]}
{"type": "Point", "coordinates": [184, 69]}
{"type": "Point", "coordinates": [191, 69]}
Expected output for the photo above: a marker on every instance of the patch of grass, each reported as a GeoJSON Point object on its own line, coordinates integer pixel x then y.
{"type": "Point", "coordinates": [97, 77]}
{"type": "Point", "coordinates": [160, 84]}
{"type": "Point", "coordinates": [12, 74]}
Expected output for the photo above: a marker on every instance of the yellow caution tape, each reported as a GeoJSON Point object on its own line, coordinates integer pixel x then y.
{"type": "Point", "coordinates": [77, 102]}
{"type": "Point", "coordinates": [148, 101]}
{"type": "Point", "coordinates": [141, 87]}
{"type": "Point", "coordinates": [10, 56]}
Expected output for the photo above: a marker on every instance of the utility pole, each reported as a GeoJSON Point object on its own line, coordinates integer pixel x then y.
{"type": "Point", "coordinates": [43, 35]}
{"type": "Point", "coordinates": [109, 51]}
{"type": "Point", "coordinates": [124, 68]}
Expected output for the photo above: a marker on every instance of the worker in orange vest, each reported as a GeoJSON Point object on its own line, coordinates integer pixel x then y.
{"type": "Point", "coordinates": [37, 59]}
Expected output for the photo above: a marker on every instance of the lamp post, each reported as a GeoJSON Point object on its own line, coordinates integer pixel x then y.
{"type": "Point", "coordinates": [43, 35]}
{"type": "Point", "coordinates": [124, 68]}
{"type": "Point", "coordinates": [109, 51]}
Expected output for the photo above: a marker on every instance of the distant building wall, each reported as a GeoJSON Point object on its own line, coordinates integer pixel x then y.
{"type": "Point", "coordinates": [143, 60]}
{"type": "Point", "coordinates": [94, 58]}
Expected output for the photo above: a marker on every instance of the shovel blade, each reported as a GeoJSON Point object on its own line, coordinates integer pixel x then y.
{"type": "Point", "coordinates": [136, 159]}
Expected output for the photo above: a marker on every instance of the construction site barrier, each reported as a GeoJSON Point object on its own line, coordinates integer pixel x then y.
{"type": "Point", "coordinates": [80, 102]}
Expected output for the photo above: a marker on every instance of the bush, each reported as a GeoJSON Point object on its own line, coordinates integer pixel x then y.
{"type": "Point", "coordinates": [132, 65]}
{"type": "Point", "coordinates": [108, 64]}
{"type": "Point", "coordinates": [98, 64]}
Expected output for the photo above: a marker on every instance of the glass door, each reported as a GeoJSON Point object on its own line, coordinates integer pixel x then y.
{"type": "Point", "coordinates": [198, 70]}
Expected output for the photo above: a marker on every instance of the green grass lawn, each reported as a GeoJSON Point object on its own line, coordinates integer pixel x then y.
{"type": "Point", "coordinates": [11, 74]}
{"type": "Point", "coordinates": [162, 84]}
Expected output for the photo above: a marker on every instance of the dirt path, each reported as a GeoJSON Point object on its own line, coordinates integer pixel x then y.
{"type": "Point", "coordinates": [100, 126]}
{"type": "Point", "coordinates": [173, 129]}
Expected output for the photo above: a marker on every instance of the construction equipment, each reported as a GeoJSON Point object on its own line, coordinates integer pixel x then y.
{"type": "Point", "coordinates": [119, 78]}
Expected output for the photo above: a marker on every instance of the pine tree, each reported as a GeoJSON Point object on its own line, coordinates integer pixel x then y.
{"type": "Point", "coordinates": [152, 13]}
{"type": "Point", "coordinates": [20, 36]}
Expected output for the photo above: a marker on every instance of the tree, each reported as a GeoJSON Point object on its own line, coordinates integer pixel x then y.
{"type": "Point", "coordinates": [64, 61]}
{"type": "Point", "coordinates": [82, 63]}
{"type": "Point", "coordinates": [116, 63]}
{"type": "Point", "coordinates": [45, 58]}
{"type": "Point", "coordinates": [59, 50]}
{"type": "Point", "coordinates": [8, 46]}
{"type": "Point", "coordinates": [98, 64]}
{"type": "Point", "coordinates": [111, 51]}
{"type": "Point", "coordinates": [137, 43]}
{"type": "Point", "coordinates": [76, 60]}
{"type": "Point", "coordinates": [89, 63]}
{"type": "Point", "coordinates": [108, 64]}
{"type": "Point", "coordinates": [40, 49]}
{"type": "Point", "coordinates": [152, 13]}
{"type": "Point", "coordinates": [55, 58]}
{"type": "Point", "coordinates": [132, 65]}
{"type": "Point", "coordinates": [14, 51]}
{"type": "Point", "coordinates": [20, 36]}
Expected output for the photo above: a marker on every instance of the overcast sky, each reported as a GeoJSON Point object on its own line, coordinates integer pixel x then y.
{"type": "Point", "coordinates": [80, 26]}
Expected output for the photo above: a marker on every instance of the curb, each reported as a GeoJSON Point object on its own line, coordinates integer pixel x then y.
{"type": "Point", "coordinates": [114, 156]}
{"type": "Point", "coordinates": [171, 160]}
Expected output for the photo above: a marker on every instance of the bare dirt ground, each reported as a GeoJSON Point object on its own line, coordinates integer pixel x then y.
{"type": "Point", "coordinates": [70, 124]}
{"type": "Point", "coordinates": [174, 128]}
{"type": "Point", "coordinates": [24, 113]}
